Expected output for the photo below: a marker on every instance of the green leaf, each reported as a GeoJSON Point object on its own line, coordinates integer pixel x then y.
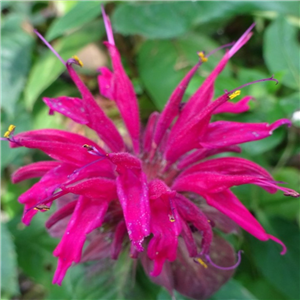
{"type": "Point", "coordinates": [79, 15]}
{"type": "Point", "coordinates": [9, 278]}
{"type": "Point", "coordinates": [281, 271]}
{"type": "Point", "coordinates": [282, 52]}
{"type": "Point", "coordinates": [233, 290]}
{"type": "Point", "coordinates": [47, 68]}
{"type": "Point", "coordinates": [16, 49]}
{"type": "Point", "coordinates": [154, 20]}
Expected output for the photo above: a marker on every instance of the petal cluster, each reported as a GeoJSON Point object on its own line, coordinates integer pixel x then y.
{"type": "Point", "coordinates": [142, 191]}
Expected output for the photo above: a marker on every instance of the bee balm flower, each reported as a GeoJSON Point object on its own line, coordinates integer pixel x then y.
{"type": "Point", "coordinates": [160, 193]}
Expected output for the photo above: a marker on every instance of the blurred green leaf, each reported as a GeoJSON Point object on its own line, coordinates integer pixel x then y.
{"type": "Point", "coordinates": [16, 49]}
{"type": "Point", "coordinates": [159, 20]}
{"type": "Point", "coordinates": [47, 68]}
{"type": "Point", "coordinates": [233, 290]}
{"type": "Point", "coordinates": [282, 52]}
{"type": "Point", "coordinates": [278, 204]}
{"type": "Point", "coordinates": [289, 104]}
{"type": "Point", "coordinates": [22, 120]}
{"type": "Point", "coordinates": [280, 271]}
{"type": "Point", "coordinates": [9, 280]}
{"type": "Point", "coordinates": [34, 248]}
{"type": "Point", "coordinates": [82, 13]}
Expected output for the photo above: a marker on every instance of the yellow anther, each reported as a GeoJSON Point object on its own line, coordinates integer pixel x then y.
{"type": "Point", "coordinates": [10, 129]}
{"type": "Point", "coordinates": [75, 57]}
{"type": "Point", "coordinates": [202, 56]}
{"type": "Point", "coordinates": [235, 94]}
{"type": "Point", "coordinates": [171, 218]}
{"type": "Point", "coordinates": [7, 134]}
{"type": "Point", "coordinates": [42, 207]}
{"type": "Point", "coordinates": [88, 147]}
{"type": "Point", "coordinates": [201, 262]}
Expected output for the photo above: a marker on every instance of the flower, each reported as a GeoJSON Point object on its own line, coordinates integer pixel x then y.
{"type": "Point", "coordinates": [157, 192]}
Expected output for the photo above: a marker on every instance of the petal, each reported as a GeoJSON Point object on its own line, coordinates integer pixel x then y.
{"type": "Point", "coordinates": [97, 118]}
{"type": "Point", "coordinates": [72, 108]}
{"type": "Point", "coordinates": [60, 214]}
{"type": "Point", "coordinates": [88, 215]}
{"type": "Point", "coordinates": [116, 245]}
{"type": "Point", "coordinates": [57, 136]}
{"type": "Point", "coordinates": [33, 170]}
{"type": "Point", "coordinates": [186, 138]}
{"type": "Point", "coordinates": [225, 133]}
{"type": "Point", "coordinates": [123, 93]}
{"type": "Point", "coordinates": [230, 166]}
{"type": "Point", "coordinates": [98, 248]}
{"type": "Point", "coordinates": [165, 225]}
{"type": "Point", "coordinates": [172, 107]}
{"type": "Point", "coordinates": [106, 83]}
{"type": "Point", "coordinates": [191, 213]}
{"type": "Point", "coordinates": [203, 153]}
{"type": "Point", "coordinates": [93, 188]}
{"type": "Point", "coordinates": [42, 190]}
{"type": "Point", "coordinates": [234, 108]}
{"type": "Point", "coordinates": [227, 203]}
{"type": "Point", "coordinates": [132, 191]}
{"type": "Point", "coordinates": [149, 131]}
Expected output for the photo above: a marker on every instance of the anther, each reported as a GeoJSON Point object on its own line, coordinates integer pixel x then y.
{"type": "Point", "coordinates": [9, 131]}
{"type": "Point", "coordinates": [171, 218]}
{"type": "Point", "coordinates": [201, 262]}
{"type": "Point", "coordinates": [202, 56]}
{"type": "Point", "coordinates": [78, 61]}
{"type": "Point", "coordinates": [235, 94]}
{"type": "Point", "coordinates": [88, 147]}
{"type": "Point", "coordinates": [41, 207]}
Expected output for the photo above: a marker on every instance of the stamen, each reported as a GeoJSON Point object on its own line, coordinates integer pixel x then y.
{"type": "Point", "coordinates": [10, 130]}
{"type": "Point", "coordinates": [49, 46]}
{"type": "Point", "coordinates": [219, 48]}
{"type": "Point", "coordinates": [249, 83]}
{"type": "Point", "coordinates": [41, 207]}
{"type": "Point", "coordinates": [93, 150]}
{"type": "Point", "coordinates": [201, 262]}
{"type": "Point", "coordinates": [75, 60]}
{"type": "Point", "coordinates": [235, 94]}
{"type": "Point", "coordinates": [225, 268]}
{"type": "Point", "coordinates": [202, 56]}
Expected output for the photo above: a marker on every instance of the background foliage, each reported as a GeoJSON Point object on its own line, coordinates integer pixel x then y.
{"type": "Point", "coordinates": [158, 42]}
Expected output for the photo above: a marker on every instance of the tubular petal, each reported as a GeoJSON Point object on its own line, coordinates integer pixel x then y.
{"type": "Point", "coordinates": [98, 120]}
{"type": "Point", "coordinates": [171, 109]}
{"type": "Point", "coordinates": [225, 133]}
{"type": "Point", "coordinates": [72, 108]}
{"type": "Point", "coordinates": [33, 170]}
{"type": "Point", "coordinates": [88, 215]}
{"type": "Point", "coordinates": [234, 108]}
{"type": "Point", "coordinates": [123, 93]}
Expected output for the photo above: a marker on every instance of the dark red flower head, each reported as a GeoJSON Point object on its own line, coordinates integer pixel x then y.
{"type": "Point", "coordinates": [160, 193]}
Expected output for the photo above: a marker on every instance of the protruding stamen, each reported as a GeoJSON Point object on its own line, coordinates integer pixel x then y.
{"type": "Point", "coordinates": [201, 262]}
{"type": "Point", "coordinates": [235, 94]}
{"type": "Point", "coordinates": [225, 268]}
{"type": "Point", "coordinates": [75, 60]}
{"type": "Point", "coordinates": [41, 207]}
{"type": "Point", "coordinates": [202, 56]}
{"type": "Point", "coordinates": [93, 150]}
{"type": "Point", "coordinates": [219, 48]}
{"type": "Point", "coordinates": [9, 131]}
{"type": "Point", "coordinates": [49, 46]}
{"type": "Point", "coordinates": [249, 83]}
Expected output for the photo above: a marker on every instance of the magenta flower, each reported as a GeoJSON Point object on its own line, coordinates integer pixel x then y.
{"type": "Point", "coordinates": [159, 193]}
